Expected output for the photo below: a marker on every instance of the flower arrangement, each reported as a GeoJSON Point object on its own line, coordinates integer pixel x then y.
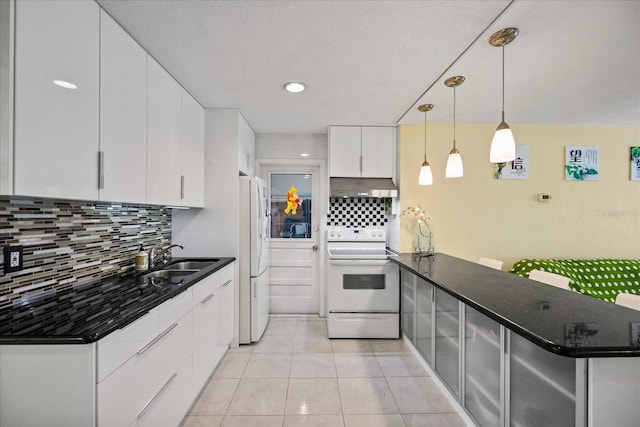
{"type": "Point", "coordinates": [424, 234]}
{"type": "Point", "coordinates": [416, 212]}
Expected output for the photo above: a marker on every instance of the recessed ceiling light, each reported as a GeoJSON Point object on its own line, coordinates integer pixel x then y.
{"type": "Point", "coordinates": [304, 154]}
{"type": "Point", "coordinates": [64, 84]}
{"type": "Point", "coordinates": [294, 87]}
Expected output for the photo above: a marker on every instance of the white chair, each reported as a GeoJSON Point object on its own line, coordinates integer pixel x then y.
{"type": "Point", "coordinates": [489, 262]}
{"type": "Point", "coordinates": [628, 300]}
{"type": "Point", "coordinates": [550, 279]}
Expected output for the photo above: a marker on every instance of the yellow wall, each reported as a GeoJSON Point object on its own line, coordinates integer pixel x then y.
{"type": "Point", "coordinates": [478, 216]}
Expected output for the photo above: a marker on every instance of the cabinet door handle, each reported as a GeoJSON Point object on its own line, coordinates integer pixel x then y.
{"type": "Point", "coordinates": [361, 165]}
{"type": "Point", "coordinates": [181, 187]}
{"type": "Point", "coordinates": [157, 396]}
{"type": "Point", "coordinates": [204, 301]}
{"type": "Point", "coordinates": [156, 339]}
{"type": "Point", "coordinates": [226, 283]}
{"type": "Point", "coordinates": [101, 170]}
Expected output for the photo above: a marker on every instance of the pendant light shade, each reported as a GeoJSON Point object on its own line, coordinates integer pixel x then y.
{"type": "Point", "coordinates": [425, 177]}
{"type": "Point", "coordinates": [454, 168]}
{"type": "Point", "coordinates": [503, 145]}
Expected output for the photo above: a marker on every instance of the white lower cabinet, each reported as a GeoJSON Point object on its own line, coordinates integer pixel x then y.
{"type": "Point", "coordinates": [146, 374]}
{"type": "Point", "coordinates": [131, 391]}
{"type": "Point", "coordinates": [212, 323]}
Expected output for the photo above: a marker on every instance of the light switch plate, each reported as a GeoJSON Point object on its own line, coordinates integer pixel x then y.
{"type": "Point", "coordinates": [12, 258]}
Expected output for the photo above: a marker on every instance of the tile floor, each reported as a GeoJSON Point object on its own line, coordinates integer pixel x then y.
{"type": "Point", "coordinates": [296, 376]}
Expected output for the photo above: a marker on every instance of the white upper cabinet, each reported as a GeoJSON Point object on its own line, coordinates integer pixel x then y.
{"type": "Point", "coordinates": [246, 147]}
{"type": "Point", "coordinates": [164, 136]}
{"type": "Point", "coordinates": [345, 149]}
{"type": "Point", "coordinates": [56, 129]}
{"type": "Point", "coordinates": [377, 152]}
{"type": "Point", "coordinates": [123, 115]}
{"type": "Point", "coordinates": [192, 152]}
{"type": "Point", "coordinates": [361, 152]}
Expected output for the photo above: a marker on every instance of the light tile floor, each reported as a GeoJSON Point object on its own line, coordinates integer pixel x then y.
{"type": "Point", "coordinates": [297, 376]}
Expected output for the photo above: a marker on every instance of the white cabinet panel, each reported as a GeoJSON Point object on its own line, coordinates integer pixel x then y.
{"type": "Point", "coordinates": [345, 151]}
{"type": "Point", "coordinates": [205, 333]}
{"type": "Point", "coordinates": [173, 309]}
{"type": "Point", "coordinates": [56, 129]}
{"type": "Point", "coordinates": [171, 402]}
{"type": "Point", "coordinates": [227, 314]}
{"type": "Point", "coordinates": [361, 152]}
{"type": "Point", "coordinates": [164, 135]}
{"type": "Point", "coordinates": [246, 147]}
{"type": "Point", "coordinates": [124, 395]}
{"type": "Point", "coordinates": [192, 152]}
{"type": "Point", "coordinates": [377, 152]}
{"type": "Point", "coordinates": [123, 114]}
{"type": "Point", "coordinates": [47, 385]}
{"type": "Point", "coordinates": [117, 347]}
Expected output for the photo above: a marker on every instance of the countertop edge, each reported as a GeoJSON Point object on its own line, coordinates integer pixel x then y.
{"type": "Point", "coordinates": [573, 352]}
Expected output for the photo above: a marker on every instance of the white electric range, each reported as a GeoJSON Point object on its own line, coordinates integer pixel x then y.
{"type": "Point", "coordinates": [363, 286]}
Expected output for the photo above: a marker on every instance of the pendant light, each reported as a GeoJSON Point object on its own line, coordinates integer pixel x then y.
{"type": "Point", "coordinates": [503, 146]}
{"type": "Point", "coordinates": [425, 177]}
{"type": "Point", "coordinates": [454, 162]}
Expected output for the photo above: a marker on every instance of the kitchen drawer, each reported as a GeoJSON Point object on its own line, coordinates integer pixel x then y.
{"type": "Point", "coordinates": [171, 402]}
{"type": "Point", "coordinates": [203, 289]}
{"type": "Point", "coordinates": [124, 394]}
{"type": "Point", "coordinates": [170, 311]}
{"type": "Point", "coordinates": [117, 347]}
{"type": "Point", "coordinates": [222, 276]}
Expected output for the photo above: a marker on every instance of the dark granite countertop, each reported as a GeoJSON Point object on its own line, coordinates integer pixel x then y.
{"type": "Point", "coordinates": [91, 311]}
{"type": "Point", "coordinates": [543, 314]}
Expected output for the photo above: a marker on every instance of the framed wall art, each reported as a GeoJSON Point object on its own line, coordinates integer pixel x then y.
{"type": "Point", "coordinates": [582, 163]}
{"type": "Point", "coordinates": [516, 169]}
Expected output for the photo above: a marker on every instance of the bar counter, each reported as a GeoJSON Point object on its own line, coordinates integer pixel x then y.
{"type": "Point", "coordinates": [515, 352]}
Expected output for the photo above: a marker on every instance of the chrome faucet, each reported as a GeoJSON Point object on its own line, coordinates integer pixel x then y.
{"type": "Point", "coordinates": [159, 254]}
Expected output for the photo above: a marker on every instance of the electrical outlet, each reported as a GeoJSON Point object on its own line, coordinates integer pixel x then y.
{"type": "Point", "coordinates": [12, 258]}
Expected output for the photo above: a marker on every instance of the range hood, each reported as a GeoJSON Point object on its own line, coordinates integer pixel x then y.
{"type": "Point", "coordinates": [363, 187]}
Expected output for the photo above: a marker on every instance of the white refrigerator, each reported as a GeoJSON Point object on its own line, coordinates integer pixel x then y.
{"type": "Point", "coordinates": [253, 259]}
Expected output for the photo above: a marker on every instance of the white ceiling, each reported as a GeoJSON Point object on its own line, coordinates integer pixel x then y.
{"type": "Point", "coordinates": [369, 62]}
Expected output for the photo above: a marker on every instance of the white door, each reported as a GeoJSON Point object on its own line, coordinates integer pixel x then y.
{"type": "Point", "coordinates": [296, 238]}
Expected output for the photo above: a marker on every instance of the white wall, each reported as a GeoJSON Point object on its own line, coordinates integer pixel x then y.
{"type": "Point", "coordinates": [290, 146]}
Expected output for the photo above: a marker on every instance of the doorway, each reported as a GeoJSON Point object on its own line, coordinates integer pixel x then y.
{"type": "Point", "coordinates": [298, 202]}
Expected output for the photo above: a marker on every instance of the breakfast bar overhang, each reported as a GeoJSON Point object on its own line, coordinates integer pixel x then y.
{"type": "Point", "coordinates": [516, 352]}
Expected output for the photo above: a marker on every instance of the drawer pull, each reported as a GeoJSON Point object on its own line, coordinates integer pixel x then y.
{"type": "Point", "coordinates": [206, 299]}
{"type": "Point", "coordinates": [158, 394]}
{"type": "Point", "coordinates": [226, 283]}
{"type": "Point", "coordinates": [156, 339]}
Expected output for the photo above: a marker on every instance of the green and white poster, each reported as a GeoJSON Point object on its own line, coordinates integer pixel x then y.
{"type": "Point", "coordinates": [635, 163]}
{"type": "Point", "coordinates": [582, 163]}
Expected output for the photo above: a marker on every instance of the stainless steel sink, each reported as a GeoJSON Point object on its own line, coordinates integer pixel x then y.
{"type": "Point", "coordinates": [170, 274]}
{"type": "Point", "coordinates": [191, 265]}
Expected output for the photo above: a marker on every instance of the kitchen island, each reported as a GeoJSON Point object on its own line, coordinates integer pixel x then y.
{"type": "Point", "coordinates": [513, 351]}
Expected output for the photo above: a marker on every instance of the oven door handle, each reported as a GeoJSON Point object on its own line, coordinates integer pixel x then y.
{"type": "Point", "coordinates": [352, 262]}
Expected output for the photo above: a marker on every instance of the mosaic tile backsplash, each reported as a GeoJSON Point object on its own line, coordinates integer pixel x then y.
{"type": "Point", "coordinates": [356, 212]}
{"type": "Point", "coordinates": [66, 244]}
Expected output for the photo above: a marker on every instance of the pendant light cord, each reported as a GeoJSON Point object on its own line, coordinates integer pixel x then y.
{"type": "Point", "coordinates": [425, 136]}
{"type": "Point", "coordinates": [503, 82]}
{"type": "Point", "coordinates": [454, 117]}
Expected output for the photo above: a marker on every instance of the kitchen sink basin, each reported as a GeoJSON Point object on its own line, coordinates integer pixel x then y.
{"type": "Point", "coordinates": [170, 274]}
{"type": "Point", "coordinates": [191, 265]}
